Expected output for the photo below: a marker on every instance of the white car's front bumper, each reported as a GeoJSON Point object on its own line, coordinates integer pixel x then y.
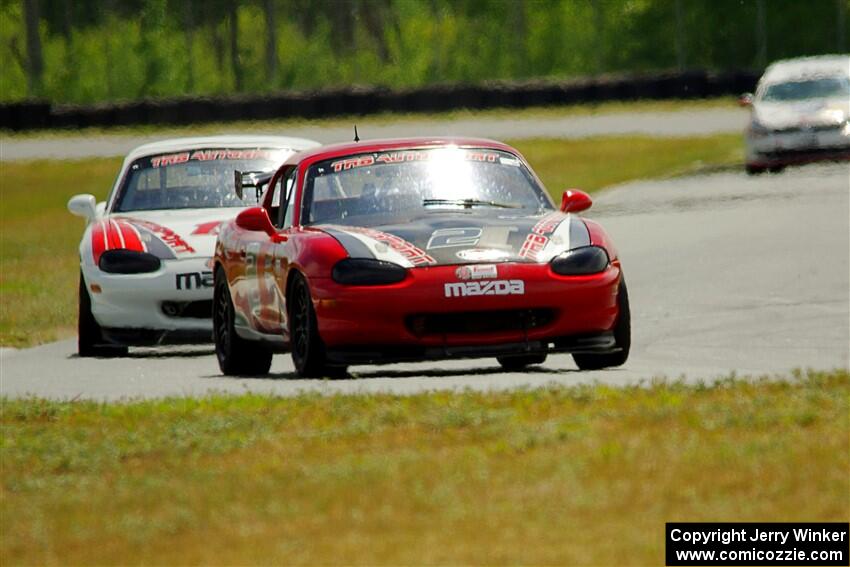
{"type": "Point", "coordinates": [783, 147]}
{"type": "Point", "coordinates": [172, 304]}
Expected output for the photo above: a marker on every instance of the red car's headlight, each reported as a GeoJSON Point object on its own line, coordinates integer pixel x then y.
{"type": "Point", "coordinates": [366, 271]}
{"type": "Point", "coordinates": [581, 261]}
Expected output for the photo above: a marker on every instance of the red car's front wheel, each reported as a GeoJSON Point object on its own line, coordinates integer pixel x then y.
{"type": "Point", "coordinates": [308, 350]}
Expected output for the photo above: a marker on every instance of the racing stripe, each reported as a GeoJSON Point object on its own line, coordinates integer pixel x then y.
{"type": "Point", "coordinates": [570, 233]}
{"type": "Point", "coordinates": [354, 246]}
{"type": "Point", "coordinates": [117, 229]}
{"type": "Point", "coordinates": [383, 246]}
{"type": "Point", "coordinates": [132, 237]}
{"type": "Point", "coordinates": [113, 235]}
{"type": "Point", "coordinates": [99, 240]}
{"type": "Point", "coordinates": [381, 250]}
{"type": "Point", "coordinates": [559, 241]}
{"type": "Point", "coordinates": [579, 235]}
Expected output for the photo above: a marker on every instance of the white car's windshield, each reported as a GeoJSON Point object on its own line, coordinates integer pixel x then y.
{"type": "Point", "coordinates": [826, 87]}
{"type": "Point", "coordinates": [376, 188]}
{"type": "Point", "coordinates": [193, 179]}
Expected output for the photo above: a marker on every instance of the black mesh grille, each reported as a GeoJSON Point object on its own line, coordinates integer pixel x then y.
{"type": "Point", "coordinates": [188, 309]}
{"type": "Point", "coordinates": [469, 322]}
{"type": "Point", "coordinates": [826, 152]}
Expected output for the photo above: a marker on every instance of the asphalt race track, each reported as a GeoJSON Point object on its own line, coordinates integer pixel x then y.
{"type": "Point", "coordinates": [659, 124]}
{"type": "Point", "coordinates": [726, 273]}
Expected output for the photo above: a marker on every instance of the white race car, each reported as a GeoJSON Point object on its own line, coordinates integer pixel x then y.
{"type": "Point", "coordinates": [145, 272]}
{"type": "Point", "coordinates": [800, 113]}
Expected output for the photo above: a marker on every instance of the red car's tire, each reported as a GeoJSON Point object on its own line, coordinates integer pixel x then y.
{"type": "Point", "coordinates": [236, 356]}
{"type": "Point", "coordinates": [308, 350]}
{"type": "Point", "coordinates": [518, 362]}
{"type": "Point", "coordinates": [90, 341]}
{"type": "Point", "coordinates": [622, 338]}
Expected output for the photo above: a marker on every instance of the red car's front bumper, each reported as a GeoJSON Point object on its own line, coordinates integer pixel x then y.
{"type": "Point", "coordinates": [415, 318]}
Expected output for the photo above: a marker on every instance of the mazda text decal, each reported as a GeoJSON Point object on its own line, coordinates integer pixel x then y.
{"type": "Point", "coordinates": [194, 280]}
{"type": "Point", "coordinates": [494, 287]}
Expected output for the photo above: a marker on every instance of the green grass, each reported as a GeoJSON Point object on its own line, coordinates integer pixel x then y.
{"type": "Point", "coordinates": [281, 126]}
{"type": "Point", "coordinates": [39, 258]}
{"type": "Point", "coordinates": [583, 475]}
{"type": "Point", "coordinates": [39, 238]}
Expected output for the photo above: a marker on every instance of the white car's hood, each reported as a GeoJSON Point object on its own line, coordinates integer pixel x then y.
{"type": "Point", "coordinates": [186, 233]}
{"type": "Point", "coordinates": [812, 112]}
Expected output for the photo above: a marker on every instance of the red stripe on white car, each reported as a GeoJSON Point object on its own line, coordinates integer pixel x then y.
{"type": "Point", "coordinates": [131, 237]}
{"type": "Point", "coordinates": [110, 234]}
{"type": "Point", "coordinates": [99, 240]}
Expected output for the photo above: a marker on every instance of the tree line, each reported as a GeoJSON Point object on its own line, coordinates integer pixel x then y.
{"type": "Point", "coordinates": [97, 50]}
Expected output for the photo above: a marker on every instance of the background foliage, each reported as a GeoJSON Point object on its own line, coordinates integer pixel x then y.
{"type": "Point", "coordinates": [95, 50]}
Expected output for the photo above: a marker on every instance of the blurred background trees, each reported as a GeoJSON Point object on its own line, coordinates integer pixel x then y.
{"type": "Point", "coordinates": [94, 50]}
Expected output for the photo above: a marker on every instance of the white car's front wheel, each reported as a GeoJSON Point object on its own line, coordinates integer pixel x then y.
{"type": "Point", "coordinates": [90, 341]}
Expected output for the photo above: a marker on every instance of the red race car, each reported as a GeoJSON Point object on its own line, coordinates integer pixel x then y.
{"type": "Point", "coordinates": [410, 250]}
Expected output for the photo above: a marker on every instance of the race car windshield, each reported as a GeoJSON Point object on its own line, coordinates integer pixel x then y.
{"type": "Point", "coordinates": [373, 189]}
{"type": "Point", "coordinates": [193, 179]}
{"type": "Point", "coordinates": [827, 87]}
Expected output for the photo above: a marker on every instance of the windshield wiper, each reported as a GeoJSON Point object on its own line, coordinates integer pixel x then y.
{"type": "Point", "coordinates": [469, 203]}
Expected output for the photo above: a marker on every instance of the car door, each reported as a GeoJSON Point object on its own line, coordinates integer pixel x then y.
{"type": "Point", "coordinates": [281, 249]}
{"type": "Point", "coordinates": [270, 257]}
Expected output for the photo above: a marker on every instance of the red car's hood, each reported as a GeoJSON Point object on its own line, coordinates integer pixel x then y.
{"type": "Point", "coordinates": [464, 238]}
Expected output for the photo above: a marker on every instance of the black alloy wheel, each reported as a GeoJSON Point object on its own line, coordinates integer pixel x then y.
{"type": "Point", "coordinates": [236, 356]}
{"type": "Point", "coordinates": [308, 350]}
{"type": "Point", "coordinates": [90, 341]}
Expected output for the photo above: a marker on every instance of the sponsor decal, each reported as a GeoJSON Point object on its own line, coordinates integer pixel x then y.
{"type": "Point", "coordinates": [193, 280]}
{"type": "Point", "coordinates": [482, 254]}
{"type": "Point", "coordinates": [477, 272]}
{"type": "Point", "coordinates": [211, 155]}
{"type": "Point", "coordinates": [211, 228]}
{"type": "Point", "coordinates": [539, 236]}
{"type": "Point", "coordinates": [416, 256]}
{"type": "Point", "coordinates": [492, 287]}
{"type": "Point", "coordinates": [407, 156]}
{"type": "Point", "coordinates": [171, 238]}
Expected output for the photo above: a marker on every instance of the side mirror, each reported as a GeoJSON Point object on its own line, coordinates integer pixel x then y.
{"type": "Point", "coordinates": [574, 201]}
{"type": "Point", "coordinates": [255, 219]}
{"type": "Point", "coordinates": [255, 179]}
{"type": "Point", "coordinates": [745, 99]}
{"type": "Point", "coordinates": [83, 206]}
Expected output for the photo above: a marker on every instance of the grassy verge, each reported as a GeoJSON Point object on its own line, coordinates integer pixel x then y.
{"type": "Point", "coordinates": [39, 261]}
{"type": "Point", "coordinates": [39, 238]}
{"type": "Point", "coordinates": [389, 117]}
{"type": "Point", "coordinates": [582, 475]}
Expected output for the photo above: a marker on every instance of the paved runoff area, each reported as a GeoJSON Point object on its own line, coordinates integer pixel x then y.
{"type": "Point", "coordinates": [704, 122]}
{"type": "Point", "coordinates": [726, 273]}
